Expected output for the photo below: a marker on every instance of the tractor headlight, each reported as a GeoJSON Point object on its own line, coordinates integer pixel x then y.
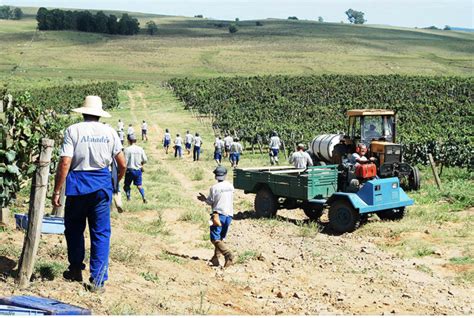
{"type": "Point", "coordinates": [389, 151]}
{"type": "Point", "coordinates": [394, 185]}
{"type": "Point", "coordinates": [397, 150]}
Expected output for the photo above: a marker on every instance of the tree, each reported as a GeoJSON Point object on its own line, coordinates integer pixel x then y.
{"type": "Point", "coordinates": [5, 12]}
{"type": "Point", "coordinates": [151, 28]}
{"type": "Point", "coordinates": [41, 16]}
{"type": "Point", "coordinates": [100, 22]}
{"type": "Point", "coordinates": [237, 19]}
{"type": "Point", "coordinates": [112, 24]}
{"type": "Point", "coordinates": [128, 25]}
{"type": "Point", "coordinates": [233, 28]}
{"type": "Point", "coordinates": [447, 28]}
{"type": "Point", "coordinates": [17, 14]}
{"type": "Point", "coordinates": [199, 16]}
{"type": "Point", "coordinates": [258, 23]}
{"type": "Point", "coordinates": [292, 18]}
{"type": "Point", "coordinates": [355, 17]}
{"type": "Point", "coordinates": [320, 19]}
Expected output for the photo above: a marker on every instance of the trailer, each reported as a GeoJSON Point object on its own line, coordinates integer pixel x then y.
{"type": "Point", "coordinates": [319, 187]}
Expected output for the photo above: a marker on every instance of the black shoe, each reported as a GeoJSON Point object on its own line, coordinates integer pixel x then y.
{"type": "Point", "coordinates": [74, 275]}
{"type": "Point", "coordinates": [144, 200]}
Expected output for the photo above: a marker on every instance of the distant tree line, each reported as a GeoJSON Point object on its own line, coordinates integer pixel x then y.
{"type": "Point", "coordinates": [7, 13]}
{"type": "Point", "coordinates": [85, 21]}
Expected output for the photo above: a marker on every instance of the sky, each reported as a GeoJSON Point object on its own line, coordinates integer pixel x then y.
{"type": "Point", "coordinates": [408, 13]}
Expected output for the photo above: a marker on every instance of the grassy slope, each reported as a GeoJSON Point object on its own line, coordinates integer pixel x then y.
{"type": "Point", "coordinates": [197, 48]}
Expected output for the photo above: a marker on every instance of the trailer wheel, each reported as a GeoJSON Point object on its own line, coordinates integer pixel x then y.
{"type": "Point", "coordinates": [313, 211]}
{"type": "Point", "coordinates": [266, 204]}
{"type": "Point", "coordinates": [391, 214]}
{"type": "Point", "coordinates": [343, 217]}
{"type": "Point", "coordinates": [414, 179]}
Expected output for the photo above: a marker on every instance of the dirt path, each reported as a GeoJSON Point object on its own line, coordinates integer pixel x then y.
{"type": "Point", "coordinates": [285, 266]}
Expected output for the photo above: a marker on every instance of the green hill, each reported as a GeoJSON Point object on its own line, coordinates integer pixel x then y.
{"type": "Point", "coordinates": [204, 48]}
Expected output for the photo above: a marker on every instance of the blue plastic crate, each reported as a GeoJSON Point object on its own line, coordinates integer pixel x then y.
{"type": "Point", "coordinates": [47, 305]}
{"type": "Point", "coordinates": [50, 225]}
{"type": "Point", "coordinates": [6, 310]}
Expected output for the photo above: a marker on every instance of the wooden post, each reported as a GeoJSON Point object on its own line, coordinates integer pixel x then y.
{"type": "Point", "coordinates": [39, 186]}
{"type": "Point", "coordinates": [433, 168]}
{"type": "Point", "coordinates": [4, 211]}
{"type": "Point", "coordinates": [59, 211]}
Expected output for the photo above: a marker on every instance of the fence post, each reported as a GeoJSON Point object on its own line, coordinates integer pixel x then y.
{"type": "Point", "coordinates": [59, 211]}
{"type": "Point", "coordinates": [39, 186]}
{"type": "Point", "coordinates": [4, 211]}
{"type": "Point", "coordinates": [433, 168]}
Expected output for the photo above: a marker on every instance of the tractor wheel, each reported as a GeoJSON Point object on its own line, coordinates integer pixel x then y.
{"type": "Point", "coordinates": [266, 204]}
{"type": "Point", "coordinates": [313, 211]}
{"type": "Point", "coordinates": [414, 179]}
{"type": "Point", "coordinates": [343, 217]}
{"type": "Point", "coordinates": [391, 214]}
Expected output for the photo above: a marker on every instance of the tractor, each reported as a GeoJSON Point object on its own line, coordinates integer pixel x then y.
{"type": "Point", "coordinates": [376, 128]}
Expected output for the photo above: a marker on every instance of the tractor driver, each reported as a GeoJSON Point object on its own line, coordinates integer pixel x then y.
{"type": "Point", "coordinates": [372, 133]}
{"type": "Point", "coordinates": [359, 157]}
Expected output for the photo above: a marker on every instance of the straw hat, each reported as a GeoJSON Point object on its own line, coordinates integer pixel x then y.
{"type": "Point", "coordinates": [92, 106]}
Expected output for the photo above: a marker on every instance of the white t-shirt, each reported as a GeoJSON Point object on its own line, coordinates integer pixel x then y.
{"type": "Point", "coordinates": [301, 159]}
{"type": "Point", "coordinates": [130, 130]}
{"type": "Point", "coordinates": [91, 145]}
{"type": "Point", "coordinates": [120, 125]}
{"type": "Point", "coordinates": [219, 145]}
{"type": "Point", "coordinates": [135, 157]}
{"type": "Point", "coordinates": [235, 147]}
{"type": "Point", "coordinates": [228, 141]}
{"type": "Point", "coordinates": [121, 134]}
{"type": "Point", "coordinates": [353, 158]}
{"type": "Point", "coordinates": [221, 198]}
{"type": "Point", "coordinates": [275, 142]}
{"type": "Point", "coordinates": [178, 141]}
{"type": "Point", "coordinates": [197, 141]}
{"type": "Point", "coordinates": [189, 138]}
{"type": "Point", "coordinates": [144, 126]}
{"type": "Point", "coordinates": [167, 136]}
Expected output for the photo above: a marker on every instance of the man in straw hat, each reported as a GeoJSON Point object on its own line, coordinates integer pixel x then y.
{"type": "Point", "coordinates": [87, 152]}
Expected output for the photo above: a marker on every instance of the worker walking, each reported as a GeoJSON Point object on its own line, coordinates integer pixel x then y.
{"type": "Point", "coordinates": [87, 152]}
{"type": "Point", "coordinates": [221, 197]}
{"type": "Point", "coordinates": [228, 140]}
{"type": "Point", "coordinates": [235, 152]}
{"type": "Point", "coordinates": [120, 125]}
{"type": "Point", "coordinates": [274, 146]}
{"type": "Point", "coordinates": [197, 147]}
{"type": "Point", "coordinates": [188, 140]}
{"type": "Point", "coordinates": [300, 158]}
{"type": "Point", "coordinates": [166, 140]}
{"type": "Point", "coordinates": [130, 131]}
{"type": "Point", "coordinates": [144, 131]}
{"type": "Point", "coordinates": [135, 157]}
{"type": "Point", "coordinates": [178, 143]}
{"type": "Point", "coordinates": [218, 149]}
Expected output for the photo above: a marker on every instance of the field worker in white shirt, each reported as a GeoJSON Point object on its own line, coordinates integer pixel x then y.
{"type": "Point", "coordinates": [135, 157]}
{"type": "Point", "coordinates": [228, 140]}
{"type": "Point", "coordinates": [221, 199]}
{"type": "Point", "coordinates": [121, 135]}
{"type": "Point", "coordinates": [144, 131]}
{"type": "Point", "coordinates": [120, 125]}
{"type": "Point", "coordinates": [178, 146]}
{"type": "Point", "coordinates": [130, 131]}
{"type": "Point", "coordinates": [188, 140]}
{"type": "Point", "coordinates": [166, 140]}
{"type": "Point", "coordinates": [218, 149]}
{"type": "Point", "coordinates": [274, 146]}
{"type": "Point", "coordinates": [300, 158]}
{"type": "Point", "coordinates": [197, 147]}
{"type": "Point", "coordinates": [87, 152]}
{"type": "Point", "coordinates": [235, 151]}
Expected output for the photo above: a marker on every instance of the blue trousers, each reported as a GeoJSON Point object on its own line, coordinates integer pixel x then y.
{"type": "Point", "coordinates": [218, 233]}
{"type": "Point", "coordinates": [196, 152]}
{"type": "Point", "coordinates": [95, 209]}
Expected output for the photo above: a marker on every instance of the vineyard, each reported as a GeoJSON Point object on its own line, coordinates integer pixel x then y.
{"type": "Point", "coordinates": [435, 114]}
{"type": "Point", "coordinates": [31, 115]}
